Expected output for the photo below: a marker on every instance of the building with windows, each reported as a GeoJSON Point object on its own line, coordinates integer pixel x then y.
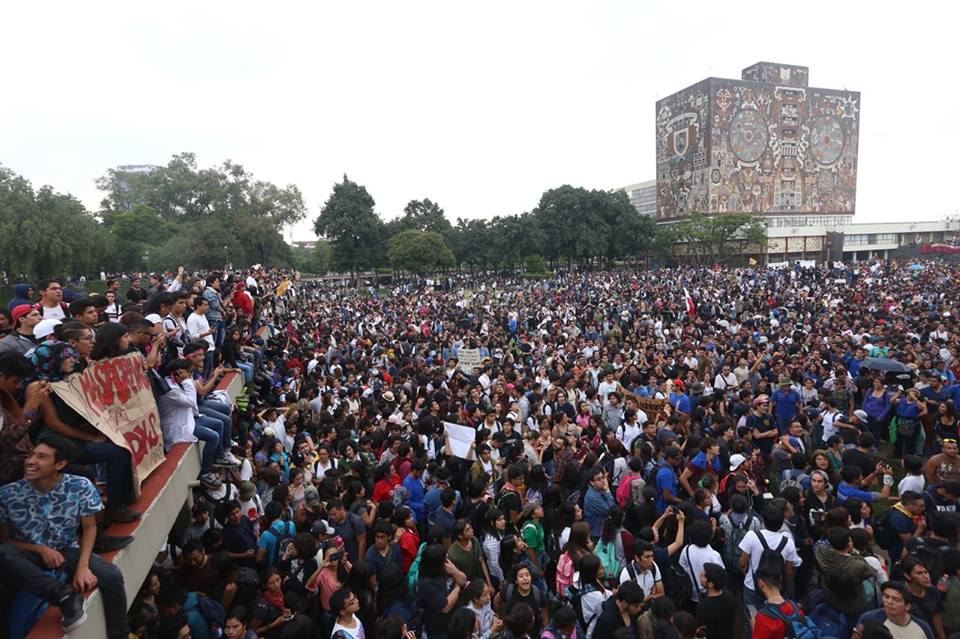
{"type": "Point", "coordinates": [643, 197]}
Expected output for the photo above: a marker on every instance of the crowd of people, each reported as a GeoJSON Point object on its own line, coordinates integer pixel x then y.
{"type": "Point", "coordinates": [773, 456]}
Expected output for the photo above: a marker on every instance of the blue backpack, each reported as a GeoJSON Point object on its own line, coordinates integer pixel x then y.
{"type": "Point", "coordinates": [798, 626]}
{"type": "Point", "coordinates": [832, 621]}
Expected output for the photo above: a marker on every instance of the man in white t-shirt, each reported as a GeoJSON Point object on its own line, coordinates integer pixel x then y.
{"type": "Point", "coordinates": [607, 386]}
{"type": "Point", "coordinates": [752, 548]}
{"type": "Point", "coordinates": [198, 327]}
{"type": "Point", "coordinates": [697, 553]}
{"type": "Point", "coordinates": [644, 571]}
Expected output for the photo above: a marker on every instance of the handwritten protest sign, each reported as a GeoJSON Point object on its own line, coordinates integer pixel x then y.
{"type": "Point", "coordinates": [468, 358]}
{"type": "Point", "coordinates": [460, 438]}
{"type": "Point", "coordinates": [650, 406]}
{"type": "Point", "coordinates": [114, 395]}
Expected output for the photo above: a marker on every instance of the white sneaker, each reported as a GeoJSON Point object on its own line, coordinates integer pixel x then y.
{"type": "Point", "coordinates": [230, 457]}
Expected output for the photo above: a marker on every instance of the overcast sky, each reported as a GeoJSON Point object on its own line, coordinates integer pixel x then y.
{"type": "Point", "coordinates": [479, 106]}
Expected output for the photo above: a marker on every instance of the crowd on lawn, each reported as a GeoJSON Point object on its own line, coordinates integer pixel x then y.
{"type": "Point", "coordinates": [661, 453]}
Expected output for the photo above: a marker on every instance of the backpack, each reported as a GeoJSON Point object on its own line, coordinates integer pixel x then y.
{"type": "Point", "coordinates": [574, 597]}
{"type": "Point", "coordinates": [211, 610]}
{"type": "Point", "coordinates": [731, 549]}
{"type": "Point", "coordinates": [630, 490]}
{"type": "Point", "coordinates": [551, 544]}
{"type": "Point", "coordinates": [769, 558]}
{"type": "Point", "coordinates": [498, 500]}
{"type": "Point", "coordinates": [399, 496]}
{"type": "Point", "coordinates": [413, 575]}
{"type": "Point", "coordinates": [796, 482]}
{"type": "Point", "coordinates": [882, 533]}
{"type": "Point", "coordinates": [676, 583]}
{"type": "Point", "coordinates": [284, 536]}
{"type": "Point", "coordinates": [798, 626]}
{"type": "Point", "coordinates": [607, 552]}
{"type": "Point", "coordinates": [832, 621]}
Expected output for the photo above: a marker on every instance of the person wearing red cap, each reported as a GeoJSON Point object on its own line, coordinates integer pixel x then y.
{"type": "Point", "coordinates": [679, 399]}
{"type": "Point", "coordinates": [21, 340]}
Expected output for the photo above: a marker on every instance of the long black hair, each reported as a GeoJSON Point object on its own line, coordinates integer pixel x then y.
{"type": "Point", "coordinates": [108, 341]}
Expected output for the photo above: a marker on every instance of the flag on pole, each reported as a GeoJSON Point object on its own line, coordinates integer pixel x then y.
{"type": "Point", "coordinates": [691, 309]}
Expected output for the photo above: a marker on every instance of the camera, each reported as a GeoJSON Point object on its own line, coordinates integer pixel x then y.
{"type": "Point", "coordinates": [337, 556]}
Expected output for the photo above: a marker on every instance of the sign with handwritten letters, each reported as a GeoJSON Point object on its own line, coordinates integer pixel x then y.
{"type": "Point", "coordinates": [114, 395]}
{"type": "Point", "coordinates": [469, 359]}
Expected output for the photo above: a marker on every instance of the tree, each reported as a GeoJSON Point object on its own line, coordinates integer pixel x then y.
{"type": "Point", "coordinates": [425, 215]}
{"type": "Point", "coordinates": [419, 252]}
{"type": "Point", "coordinates": [352, 227]}
{"type": "Point", "coordinates": [315, 261]}
{"type": "Point", "coordinates": [708, 238]}
{"type": "Point", "coordinates": [200, 217]}
{"type": "Point", "coordinates": [44, 233]}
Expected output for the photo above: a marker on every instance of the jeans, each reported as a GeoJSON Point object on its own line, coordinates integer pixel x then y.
{"type": "Point", "coordinates": [247, 371]}
{"type": "Point", "coordinates": [211, 439]}
{"type": "Point", "coordinates": [752, 602]}
{"type": "Point", "coordinates": [117, 459]}
{"type": "Point", "coordinates": [26, 571]}
{"type": "Point", "coordinates": [219, 331]}
{"type": "Point", "coordinates": [215, 420]}
{"type": "Point", "coordinates": [207, 363]}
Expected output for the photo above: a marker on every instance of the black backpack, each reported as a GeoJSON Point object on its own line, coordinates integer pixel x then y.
{"type": "Point", "coordinates": [676, 583]}
{"type": "Point", "coordinates": [769, 558]}
{"type": "Point", "coordinates": [882, 532]}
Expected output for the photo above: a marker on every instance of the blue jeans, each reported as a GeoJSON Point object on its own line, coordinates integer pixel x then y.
{"type": "Point", "coordinates": [219, 422]}
{"type": "Point", "coordinates": [207, 363]}
{"type": "Point", "coordinates": [219, 331]}
{"type": "Point", "coordinates": [117, 459]}
{"type": "Point", "coordinates": [211, 440]}
{"type": "Point", "coordinates": [247, 371]}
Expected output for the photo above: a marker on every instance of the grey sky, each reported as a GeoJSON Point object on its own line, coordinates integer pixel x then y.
{"type": "Point", "coordinates": [479, 106]}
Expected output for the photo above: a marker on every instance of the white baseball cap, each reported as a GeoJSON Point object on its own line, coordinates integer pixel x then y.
{"type": "Point", "coordinates": [736, 461]}
{"type": "Point", "coordinates": [45, 327]}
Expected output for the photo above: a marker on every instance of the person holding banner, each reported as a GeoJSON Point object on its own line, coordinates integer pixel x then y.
{"type": "Point", "coordinates": [54, 361]}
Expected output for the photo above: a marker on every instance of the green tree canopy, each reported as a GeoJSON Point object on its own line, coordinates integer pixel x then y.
{"type": "Point", "coordinates": [355, 231]}
{"type": "Point", "coordinates": [711, 239]}
{"type": "Point", "coordinates": [44, 233]}
{"type": "Point", "coordinates": [201, 217]}
{"type": "Point", "coordinates": [419, 252]}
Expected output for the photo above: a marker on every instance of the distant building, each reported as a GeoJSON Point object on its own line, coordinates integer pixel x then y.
{"type": "Point", "coordinates": [766, 144]}
{"type": "Point", "coordinates": [643, 196]}
{"type": "Point", "coordinates": [306, 244]}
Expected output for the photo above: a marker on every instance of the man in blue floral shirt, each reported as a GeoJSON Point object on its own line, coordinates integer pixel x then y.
{"type": "Point", "coordinates": [39, 519]}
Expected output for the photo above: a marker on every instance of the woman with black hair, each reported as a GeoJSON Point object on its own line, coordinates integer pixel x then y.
{"type": "Point", "coordinates": [434, 598]}
{"type": "Point", "coordinates": [590, 582]}
{"type": "Point", "coordinates": [393, 595]}
{"type": "Point", "coordinates": [269, 612]}
{"type": "Point", "coordinates": [491, 536]}
{"type": "Point", "coordinates": [463, 624]}
{"type": "Point", "coordinates": [112, 341]}
{"type": "Point", "coordinates": [362, 581]}
{"type": "Point", "coordinates": [519, 589]}
{"type": "Point", "coordinates": [355, 499]}
{"type": "Point", "coordinates": [536, 484]}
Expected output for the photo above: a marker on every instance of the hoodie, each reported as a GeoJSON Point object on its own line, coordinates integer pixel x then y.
{"type": "Point", "coordinates": [855, 566]}
{"type": "Point", "coordinates": [19, 296]}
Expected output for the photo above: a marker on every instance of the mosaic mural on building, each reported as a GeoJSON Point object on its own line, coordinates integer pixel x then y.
{"type": "Point", "coordinates": [757, 147]}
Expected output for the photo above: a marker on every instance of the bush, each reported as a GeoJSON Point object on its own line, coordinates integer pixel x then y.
{"type": "Point", "coordinates": [536, 265]}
